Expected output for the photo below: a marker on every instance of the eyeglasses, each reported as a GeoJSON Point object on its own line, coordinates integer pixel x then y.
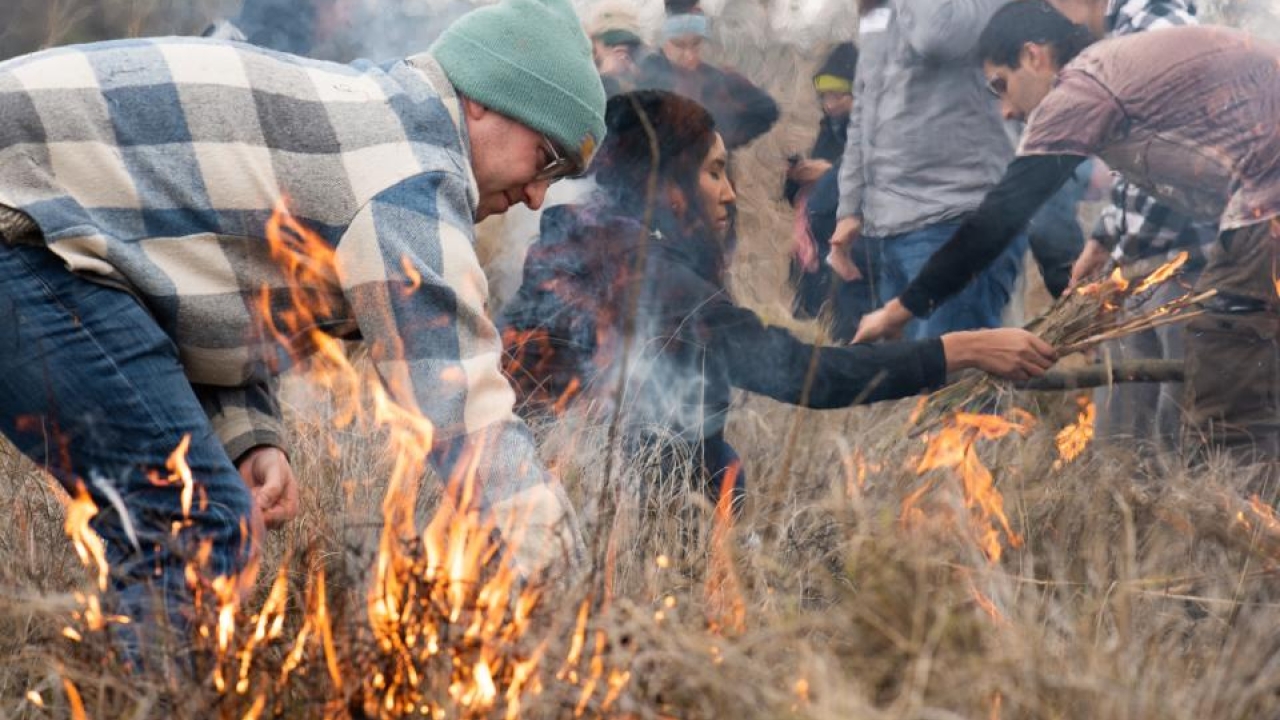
{"type": "Point", "coordinates": [998, 85]}
{"type": "Point", "coordinates": [559, 165]}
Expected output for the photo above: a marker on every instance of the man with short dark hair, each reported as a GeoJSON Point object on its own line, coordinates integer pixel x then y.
{"type": "Point", "coordinates": [1188, 115]}
{"type": "Point", "coordinates": [1141, 234]}
{"type": "Point", "coordinates": [137, 287]}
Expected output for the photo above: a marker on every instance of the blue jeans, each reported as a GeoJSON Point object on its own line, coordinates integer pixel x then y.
{"type": "Point", "coordinates": [981, 302]}
{"type": "Point", "coordinates": [91, 389]}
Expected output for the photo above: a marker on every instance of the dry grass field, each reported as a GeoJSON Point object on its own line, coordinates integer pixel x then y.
{"type": "Point", "coordinates": [855, 584]}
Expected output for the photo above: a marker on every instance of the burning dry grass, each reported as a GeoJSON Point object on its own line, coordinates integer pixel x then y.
{"type": "Point", "coordinates": [1129, 595]}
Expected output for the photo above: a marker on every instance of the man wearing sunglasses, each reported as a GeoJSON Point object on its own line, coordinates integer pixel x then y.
{"type": "Point", "coordinates": [1189, 115]}
{"type": "Point", "coordinates": [137, 181]}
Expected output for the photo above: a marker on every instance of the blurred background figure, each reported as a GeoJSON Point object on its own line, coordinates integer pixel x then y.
{"type": "Point", "coordinates": [298, 27]}
{"type": "Point", "coordinates": [812, 188]}
{"type": "Point", "coordinates": [341, 30]}
{"type": "Point", "coordinates": [742, 111]}
{"type": "Point", "coordinates": [617, 42]}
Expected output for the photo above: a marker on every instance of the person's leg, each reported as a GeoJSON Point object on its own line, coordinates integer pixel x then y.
{"type": "Point", "coordinates": [1126, 411]}
{"type": "Point", "coordinates": [978, 305]}
{"type": "Point", "coordinates": [92, 390]}
{"type": "Point", "coordinates": [1232, 387]}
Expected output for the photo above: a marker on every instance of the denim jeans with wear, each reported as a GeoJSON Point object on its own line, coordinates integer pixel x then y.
{"type": "Point", "coordinates": [979, 305]}
{"type": "Point", "coordinates": [91, 389]}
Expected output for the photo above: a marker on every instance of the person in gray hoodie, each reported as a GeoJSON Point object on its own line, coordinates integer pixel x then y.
{"type": "Point", "coordinates": [926, 142]}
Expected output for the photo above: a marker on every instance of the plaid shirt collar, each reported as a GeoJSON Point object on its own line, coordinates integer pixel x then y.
{"type": "Point", "coordinates": [1125, 17]}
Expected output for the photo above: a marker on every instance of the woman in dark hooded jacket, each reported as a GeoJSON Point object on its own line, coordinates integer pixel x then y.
{"type": "Point", "coordinates": [646, 262]}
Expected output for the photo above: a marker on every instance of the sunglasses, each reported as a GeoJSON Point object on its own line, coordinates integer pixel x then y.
{"type": "Point", "coordinates": [998, 86]}
{"type": "Point", "coordinates": [559, 165]}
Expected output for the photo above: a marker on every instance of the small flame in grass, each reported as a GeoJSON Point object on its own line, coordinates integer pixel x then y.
{"type": "Point", "coordinates": [801, 690]}
{"type": "Point", "coordinates": [35, 698]}
{"type": "Point", "coordinates": [723, 589]}
{"type": "Point", "coordinates": [954, 448]}
{"type": "Point", "coordinates": [1265, 514]}
{"type": "Point", "coordinates": [80, 510]}
{"type": "Point", "coordinates": [987, 605]}
{"type": "Point", "coordinates": [180, 472]}
{"type": "Point", "coordinates": [1074, 438]}
{"type": "Point", "coordinates": [75, 704]}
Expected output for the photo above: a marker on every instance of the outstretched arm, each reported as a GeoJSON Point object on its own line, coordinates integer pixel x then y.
{"type": "Point", "coordinates": [1004, 212]}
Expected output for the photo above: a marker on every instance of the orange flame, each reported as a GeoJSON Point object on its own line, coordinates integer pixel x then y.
{"type": "Point", "coordinates": [723, 589]}
{"type": "Point", "coordinates": [442, 596]}
{"type": "Point", "coordinates": [1162, 273]}
{"type": "Point", "coordinates": [1074, 438]}
{"type": "Point", "coordinates": [89, 547]}
{"type": "Point", "coordinates": [954, 448]}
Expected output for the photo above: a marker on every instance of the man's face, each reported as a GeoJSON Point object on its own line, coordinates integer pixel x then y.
{"type": "Point", "coordinates": [1089, 13]}
{"type": "Point", "coordinates": [836, 105]}
{"type": "Point", "coordinates": [685, 51]}
{"type": "Point", "coordinates": [506, 158]}
{"type": "Point", "coordinates": [1022, 89]}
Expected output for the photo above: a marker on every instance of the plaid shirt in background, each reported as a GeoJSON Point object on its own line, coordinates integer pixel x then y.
{"type": "Point", "coordinates": [1135, 225]}
{"type": "Point", "coordinates": [154, 166]}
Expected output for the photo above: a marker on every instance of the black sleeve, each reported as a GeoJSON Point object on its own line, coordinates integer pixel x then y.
{"type": "Point", "coordinates": [773, 362]}
{"type": "Point", "coordinates": [753, 112]}
{"type": "Point", "coordinates": [1004, 212]}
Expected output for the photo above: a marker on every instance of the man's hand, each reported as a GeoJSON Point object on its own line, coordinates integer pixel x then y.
{"type": "Point", "coordinates": [840, 258]}
{"type": "Point", "coordinates": [808, 171]}
{"type": "Point", "coordinates": [847, 232]}
{"type": "Point", "coordinates": [266, 471]}
{"type": "Point", "coordinates": [541, 530]}
{"type": "Point", "coordinates": [883, 324]}
{"type": "Point", "coordinates": [1092, 259]}
{"type": "Point", "coordinates": [1010, 353]}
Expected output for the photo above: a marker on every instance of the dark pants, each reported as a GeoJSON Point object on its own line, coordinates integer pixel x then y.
{"type": "Point", "coordinates": [848, 300]}
{"type": "Point", "coordinates": [979, 305]}
{"type": "Point", "coordinates": [92, 390]}
{"type": "Point", "coordinates": [1233, 351]}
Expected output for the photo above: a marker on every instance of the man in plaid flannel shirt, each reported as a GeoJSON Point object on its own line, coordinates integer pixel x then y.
{"type": "Point", "coordinates": [137, 179]}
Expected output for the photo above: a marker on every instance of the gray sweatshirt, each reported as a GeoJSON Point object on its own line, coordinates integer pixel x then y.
{"type": "Point", "coordinates": [926, 140]}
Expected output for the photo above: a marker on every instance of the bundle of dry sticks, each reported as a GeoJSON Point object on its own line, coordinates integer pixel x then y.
{"type": "Point", "coordinates": [1078, 321]}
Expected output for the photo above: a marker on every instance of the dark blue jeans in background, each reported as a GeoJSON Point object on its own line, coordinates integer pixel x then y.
{"type": "Point", "coordinates": [91, 389]}
{"type": "Point", "coordinates": [978, 305]}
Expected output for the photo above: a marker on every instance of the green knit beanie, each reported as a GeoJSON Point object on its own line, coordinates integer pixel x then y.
{"type": "Point", "coordinates": [531, 61]}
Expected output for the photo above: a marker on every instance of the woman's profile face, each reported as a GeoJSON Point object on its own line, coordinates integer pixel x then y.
{"type": "Point", "coordinates": [715, 191]}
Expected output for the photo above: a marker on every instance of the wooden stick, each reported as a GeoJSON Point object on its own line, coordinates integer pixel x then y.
{"type": "Point", "coordinates": [1124, 371]}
